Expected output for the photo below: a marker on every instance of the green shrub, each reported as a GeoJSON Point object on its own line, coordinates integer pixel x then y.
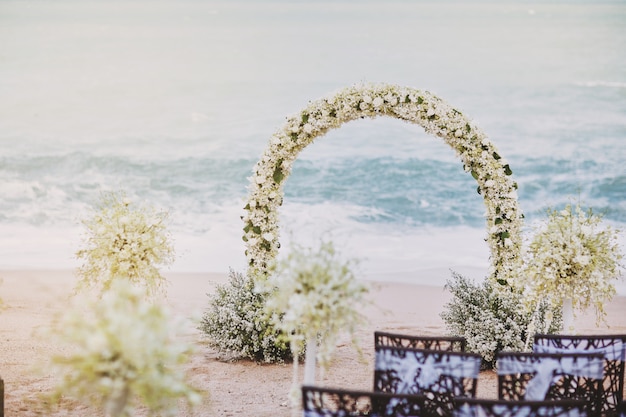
{"type": "Point", "coordinates": [236, 324]}
{"type": "Point", "coordinates": [494, 320]}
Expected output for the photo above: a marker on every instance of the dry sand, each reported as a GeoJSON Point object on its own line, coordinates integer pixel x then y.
{"type": "Point", "coordinates": [31, 298]}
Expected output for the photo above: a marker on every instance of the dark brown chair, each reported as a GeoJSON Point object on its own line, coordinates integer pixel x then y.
{"type": "Point", "coordinates": [613, 347]}
{"type": "Point", "coordinates": [474, 407]}
{"type": "Point", "coordinates": [439, 375]}
{"type": "Point", "coordinates": [526, 376]}
{"type": "Point", "coordinates": [335, 402]}
{"type": "Point", "coordinates": [450, 343]}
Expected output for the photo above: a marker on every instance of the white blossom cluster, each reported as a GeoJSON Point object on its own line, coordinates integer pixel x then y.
{"type": "Point", "coordinates": [479, 157]}
{"type": "Point", "coordinates": [573, 256]}
{"type": "Point", "coordinates": [122, 351]}
{"type": "Point", "coordinates": [125, 241]}
{"type": "Point", "coordinates": [236, 325]}
{"type": "Point", "coordinates": [491, 320]}
{"type": "Point", "coordinates": [314, 295]}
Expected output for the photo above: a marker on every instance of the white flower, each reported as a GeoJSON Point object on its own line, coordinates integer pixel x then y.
{"type": "Point", "coordinates": [268, 236]}
{"type": "Point", "coordinates": [308, 128]}
{"type": "Point", "coordinates": [378, 102]}
{"type": "Point", "coordinates": [430, 112]}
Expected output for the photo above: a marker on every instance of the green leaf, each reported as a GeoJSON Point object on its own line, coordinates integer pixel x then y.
{"type": "Point", "coordinates": [247, 207]}
{"type": "Point", "coordinates": [420, 100]}
{"type": "Point", "coordinates": [498, 220]}
{"type": "Point", "coordinates": [504, 235]}
{"type": "Point", "coordinates": [257, 230]}
{"type": "Point", "coordinates": [496, 156]}
{"type": "Point", "coordinates": [507, 170]}
{"type": "Point", "coordinates": [474, 174]}
{"type": "Point", "coordinates": [247, 228]}
{"type": "Point", "coordinates": [501, 281]}
{"type": "Point", "coordinates": [407, 99]}
{"type": "Point", "coordinates": [468, 128]}
{"type": "Point", "coordinates": [278, 175]}
{"type": "Point", "coordinates": [305, 118]}
{"type": "Point", "coordinates": [478, 190]}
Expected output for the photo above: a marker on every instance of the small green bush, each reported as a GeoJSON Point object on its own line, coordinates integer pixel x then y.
{"type": "Point", "coordinates": [494, 320]}
{"type": "Point", "coordinates": [236, 324]}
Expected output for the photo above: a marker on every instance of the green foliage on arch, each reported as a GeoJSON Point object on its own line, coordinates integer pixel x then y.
{"type": "Point", "coordinates": [478, 155]}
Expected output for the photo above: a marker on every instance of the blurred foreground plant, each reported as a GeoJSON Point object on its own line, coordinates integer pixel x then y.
{"type": "Point", "coordinates": [122, 351]}
{"type": "Point", "coordinates": [125, 241]}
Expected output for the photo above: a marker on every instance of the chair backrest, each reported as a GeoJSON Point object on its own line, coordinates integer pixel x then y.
{"type": "Point", "coordinates": [473, 407]}
{"type": "Point", "coordinates": [451, 343]}
{"type": "Point", "coordinates": [621, 409]}
{"type": "Point", "coordinates": [412, 371]}
{"type": "Point", "coordinates": [335, 402]}
{"type": "Point", "coordinates": [613, 347]}
{"type": "Point", "coordinates": [551, 376]}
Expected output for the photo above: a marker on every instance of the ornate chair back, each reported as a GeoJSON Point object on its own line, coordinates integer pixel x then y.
{"type": "Point", "coordinates": [473, 407]}
{"type": "Point", "coordinates": [333, 402]}
{"type": "Point", "coordinates": [613, 347]}
{"type": "Point", "coordinates": [551, 376]}
{"type": "Point", "coordinates": [439, 375]}
{"type": "Point", "coordinates": [450, 343]}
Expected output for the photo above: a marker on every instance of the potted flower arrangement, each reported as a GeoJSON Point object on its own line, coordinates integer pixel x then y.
{"type": "Point", "coordinates": [572, 262]}
{"type": "Point", "coordinates": [313, 298]}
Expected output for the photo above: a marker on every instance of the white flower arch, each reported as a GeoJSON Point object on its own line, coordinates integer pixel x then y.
{"type": "Point", "coordinates": [478, 154]}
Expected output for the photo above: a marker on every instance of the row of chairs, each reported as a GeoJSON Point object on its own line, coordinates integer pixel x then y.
{"type": "Point", "coordinates": [436, 377]}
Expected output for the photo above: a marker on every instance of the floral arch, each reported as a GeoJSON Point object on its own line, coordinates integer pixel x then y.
{"type": "Point", "coordinates": [478, 154]}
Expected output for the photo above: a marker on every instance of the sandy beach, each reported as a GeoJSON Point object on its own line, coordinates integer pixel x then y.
{"type": "Point", "coordinates": [32, 297]}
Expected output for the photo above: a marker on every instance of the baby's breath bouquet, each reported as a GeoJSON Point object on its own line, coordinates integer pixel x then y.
{"type": "Point", "coordinates": [572, 261]}
{"type": "Point", "coordinates": [313, 298]}
{"type": "Point", "coordinates": [125, 240]}
{"type": "Point", "coordinates": [121, 352]}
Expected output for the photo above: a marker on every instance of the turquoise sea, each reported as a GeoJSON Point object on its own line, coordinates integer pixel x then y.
{"type": "Point", "coordinates": [174, 102]}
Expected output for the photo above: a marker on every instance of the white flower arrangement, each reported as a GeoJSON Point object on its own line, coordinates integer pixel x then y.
{"type": "Point", "coordinates": [125, 241]}
{"type": "Point", "coordinates": [122, 352]}
{"type": "Point", "coordinates": [314, 294]}
{"type": "Point", "coordinates": [314, 297]}
{"type": "Point", "coordinates": [477, 153]}
{"type": "Point", "coordinates": [572, 257]}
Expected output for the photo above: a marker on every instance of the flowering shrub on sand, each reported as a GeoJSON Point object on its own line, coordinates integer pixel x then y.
{"type": "Point", "coordinates": [126, 241]}
{"type": "Point", "coordinates": [493, 321]}
{"type": "Point", "coordinates": [235, 322]}
{"type": "Point", "coordinates": [122, 351]}
{"type": "Point", "coordinates": [572, 257]}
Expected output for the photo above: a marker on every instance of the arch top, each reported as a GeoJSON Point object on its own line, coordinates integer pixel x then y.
{"type": "Point", "coordinates": [478, 155]}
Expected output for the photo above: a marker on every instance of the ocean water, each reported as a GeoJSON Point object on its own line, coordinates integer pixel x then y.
{"type": "Point", "coordinates": [173, 102]}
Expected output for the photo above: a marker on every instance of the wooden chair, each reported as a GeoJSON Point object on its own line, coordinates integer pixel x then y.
{"type": "Point", "coordinates": [613, 347]}
{"type": "Point", "coordinates": [334, 402]}
{"type": "Point", "coordinates": [551, 376]}
{"type": "Point", "coordinates": [450, 343]}
{"type": "Point", "coordinates": [474, 407]}
{"type": "Point", "coordinates": [439, 375]}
